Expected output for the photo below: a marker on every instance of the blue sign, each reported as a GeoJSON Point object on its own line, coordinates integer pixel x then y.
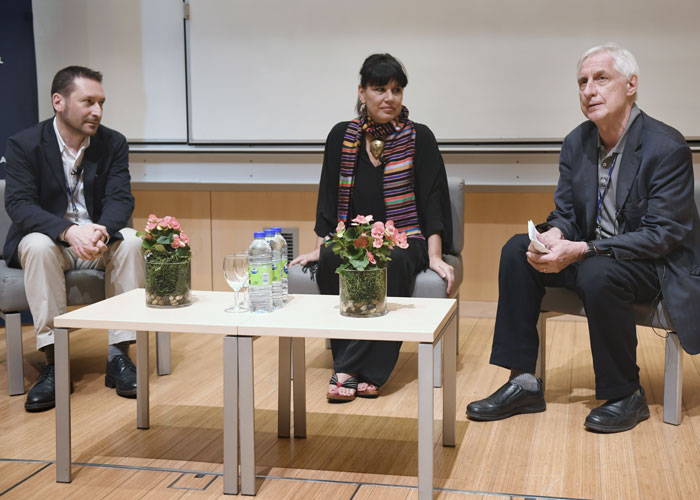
{"type": "Point", "coordinates": [18, 98]}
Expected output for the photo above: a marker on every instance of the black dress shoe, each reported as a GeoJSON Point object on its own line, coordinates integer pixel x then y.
{"type": "Point", "coordinates": [509, 400]}
{"type": "Point", "coordinates": [121, 374]}
{"type": "Point", "coordinates": [619, 415]}
{"type": "Point", "coordinates": [42, 396]}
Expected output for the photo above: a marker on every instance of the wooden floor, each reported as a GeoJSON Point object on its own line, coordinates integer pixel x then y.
{"type": "Point", "coordinates": [362, 450]}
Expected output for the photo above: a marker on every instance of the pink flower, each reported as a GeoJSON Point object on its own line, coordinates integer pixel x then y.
{"type": "Point", "coordinates": [150, 226]}
{"type": "Point", "coordinates": [378, 230]}
{"type": "Point", "coordinates": [402, 240]}
{"type": "Point", "coordinates": [370, 257]}
{"type": "Point", "coordinates": [167, 222]}
{"type": "Point", "coordinates": [184, 238]}
{"type": "Point", "coordinates": [378, 242]}
{"type": "Point", "coordinates": [361, 219]}
{"type": "Point", "coordinates": [340, 227]}
{"type": "Point", "coordinates": [175, 224]}
{"type": "Point", "coordinates": [389, 228]}
{"type": "Point", "coordinates": [149, 236]}
{"type": "Point", "coordinates": [361, 242]}
{"type": "Point", "coordinates": [177, 242]}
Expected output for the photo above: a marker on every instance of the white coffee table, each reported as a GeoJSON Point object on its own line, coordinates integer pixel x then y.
{"type": "Point", "coordinates": [426, 321]}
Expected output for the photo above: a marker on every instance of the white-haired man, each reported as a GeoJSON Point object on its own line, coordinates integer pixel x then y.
{"type": "Point", "coordinates": [624, 230]}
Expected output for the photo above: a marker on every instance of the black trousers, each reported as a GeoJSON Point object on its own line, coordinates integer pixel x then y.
{"type": "Point", "coordinates": [373, 361]}
{"type": "Point", "coordinates": [608, 289]}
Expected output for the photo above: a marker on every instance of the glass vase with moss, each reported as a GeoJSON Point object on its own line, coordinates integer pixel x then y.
{"type": "Point", "coordinates": [364, 248]}
{"type": "Point", "coordinates": [168, 257]}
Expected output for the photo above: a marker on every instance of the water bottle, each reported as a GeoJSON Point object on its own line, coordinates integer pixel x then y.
{"type": "Point", "coordinates": [284, 267]}
{"type": "Point", "coordinates": [260, 274]}
{"type": "Point", "coordinates": [276, 268]}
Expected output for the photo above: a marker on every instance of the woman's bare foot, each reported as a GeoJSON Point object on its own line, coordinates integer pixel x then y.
{"type": "Point", "coordinates": [367, 390]}
{"type": "Point", "coordinates": [338, 393]}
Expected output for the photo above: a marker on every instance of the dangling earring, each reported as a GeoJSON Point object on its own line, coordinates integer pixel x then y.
{"type": "Point", "coordinates": [363, 111]}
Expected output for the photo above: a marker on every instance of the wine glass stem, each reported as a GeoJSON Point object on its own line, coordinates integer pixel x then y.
{"type": "Point", "coordinates": [235, 299]}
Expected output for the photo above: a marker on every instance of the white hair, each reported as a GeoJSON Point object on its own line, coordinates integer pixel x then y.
{"type": "Point", "coordinates": [624, 61]}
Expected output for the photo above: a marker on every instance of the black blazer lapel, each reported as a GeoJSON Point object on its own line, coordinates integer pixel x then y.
{"type": "Point", "coordinates": [49, 145]}
{"type": "Point", "coordinates": [590, 180]}
{"type": "Point", "coordinates": [90, 164]}
{"type": "Point", "coordinates": [631, 161]}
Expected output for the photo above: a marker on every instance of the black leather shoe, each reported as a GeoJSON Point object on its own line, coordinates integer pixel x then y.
{"type": "Point", "coordinates": [42, 396]}
{"type": "Point", "coordinates": [619, 415]}
{"type": "Point", "coordinates": [509, 400]}
{"type": "Point", "coordinates": [121, 374]}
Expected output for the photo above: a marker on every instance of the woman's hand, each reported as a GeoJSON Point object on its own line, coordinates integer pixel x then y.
{"type": "Point", "coordinates": [444, 270]}
{"type": "Point", "coordinates": [307, 257]}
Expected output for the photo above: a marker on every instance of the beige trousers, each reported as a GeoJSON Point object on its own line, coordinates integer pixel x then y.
{"type": "Point", "coordinates": [45, 262]}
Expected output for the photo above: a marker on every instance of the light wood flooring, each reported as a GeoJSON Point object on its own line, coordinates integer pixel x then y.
{"type": "Point", "coordinates": [362, 450]}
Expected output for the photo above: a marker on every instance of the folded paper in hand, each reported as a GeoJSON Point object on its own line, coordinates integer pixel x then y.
{"type": "Point", "coordinates": [532, 232]}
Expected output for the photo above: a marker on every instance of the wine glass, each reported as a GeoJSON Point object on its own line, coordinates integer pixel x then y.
{"type": "Point", "coordinates": [236, 274]}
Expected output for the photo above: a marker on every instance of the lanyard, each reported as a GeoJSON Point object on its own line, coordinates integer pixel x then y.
{"type": "Point", "coordinates": [601, 196]}
{"type": "Point", "coordinates": [73, 192]}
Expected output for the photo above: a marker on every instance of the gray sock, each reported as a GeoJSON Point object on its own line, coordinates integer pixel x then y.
{"type": "Point", "coordinates": [48, 352]}
{"type": "Point", "coordinates": [525, 380]}
{"type": "Point", "coordinates": [117, 349]}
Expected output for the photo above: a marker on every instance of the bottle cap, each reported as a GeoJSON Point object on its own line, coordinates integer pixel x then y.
{"type": "Point", "coordinates": [269, 232]}
{"type": "Point", "coordinates": [257, 234]}
{"type": "Point", "coordinates": [277, 229]}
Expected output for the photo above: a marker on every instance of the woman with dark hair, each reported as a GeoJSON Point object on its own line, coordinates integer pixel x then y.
{"type": "Point", "coordinates": [383, 164]}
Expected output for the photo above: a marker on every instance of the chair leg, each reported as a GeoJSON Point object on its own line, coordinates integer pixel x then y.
{"type": "Point", "coordinates": [15, 356]}
{"type": "Point", "coordinates": [673, 380]}
{"type": "Point", "coordinates": [457, 335]}
{"type": "Point", "coordinates": [163, 353]}
{"type": "Point", "coordinates": [542, 354]}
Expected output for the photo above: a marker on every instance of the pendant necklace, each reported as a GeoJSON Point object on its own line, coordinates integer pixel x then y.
{"type": "Point", "coordinates": [376, 147]}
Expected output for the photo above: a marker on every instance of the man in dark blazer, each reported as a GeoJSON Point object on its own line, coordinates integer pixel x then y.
{"type": "Point", "coordinates": [69, 197]}
{"type": "Point", "coordinates": [625, 230]}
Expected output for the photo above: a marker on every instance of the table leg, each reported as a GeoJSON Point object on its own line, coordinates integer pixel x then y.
{"type": "Point", "coordinates": [299, 365]}
{"type": "Point", "coordinates": [142, 403]}
{"type": "Point", "coordinates": [63, 445]}
{"type": "Point", "coordinates": [230, 415]}
{"type": "Point", "coordinates": [163, 353]}
{"type": "Point", "coordinates": [283, 387]}
{"type": "Point", "coordinates": [425, 421]}
{"type": "Point", "coordinates": [246, 405]}
{"type": "Point", "coordinates": [437, 364]}
{"type": "Point", "coordinates": [449, 389]}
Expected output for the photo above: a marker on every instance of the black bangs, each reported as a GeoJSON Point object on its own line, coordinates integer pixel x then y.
{"type": "Point", "coordinates": [380, 69]}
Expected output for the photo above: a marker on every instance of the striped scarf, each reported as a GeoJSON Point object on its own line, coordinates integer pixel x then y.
{"type": "Point", "coordinates": [399, 148]}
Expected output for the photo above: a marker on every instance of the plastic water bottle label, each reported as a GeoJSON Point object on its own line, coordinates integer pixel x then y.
{"type": "Point", "coordinates": [285, 268]}
{"type": "Point", "coordinates": [276, 271]}
{"type": "Point", "coordinates": [259, 275]}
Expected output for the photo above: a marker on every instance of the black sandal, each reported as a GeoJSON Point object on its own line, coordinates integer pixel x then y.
{"type": "Point", "coordinates": [350, 383]}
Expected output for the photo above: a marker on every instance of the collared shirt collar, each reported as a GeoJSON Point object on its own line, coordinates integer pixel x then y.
{"type": "Point", "coordinates": [63, 147]}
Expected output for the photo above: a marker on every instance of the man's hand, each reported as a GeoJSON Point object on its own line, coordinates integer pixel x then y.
{"type": "Point", "coordinates": [562, 254]}
{"type": "Point", "coordinates": [550, 236]}
{"type": "Point", "coordinates": [87, 241]}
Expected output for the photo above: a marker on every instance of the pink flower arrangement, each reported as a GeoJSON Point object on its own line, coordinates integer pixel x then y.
{"type": "Point", "coordinates": [164, 240]}
{"type": "Point", "coordinates": [365, 243]}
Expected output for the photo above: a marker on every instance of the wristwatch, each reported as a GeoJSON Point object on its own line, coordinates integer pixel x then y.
{"type": "Point", "coordinates": [591, 250]}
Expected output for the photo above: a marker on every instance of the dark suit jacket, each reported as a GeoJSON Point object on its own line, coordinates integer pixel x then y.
{"type": "Point", "coordinates": [36, 196]}
{"type": "Point", "coordinates": [658, 218]}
